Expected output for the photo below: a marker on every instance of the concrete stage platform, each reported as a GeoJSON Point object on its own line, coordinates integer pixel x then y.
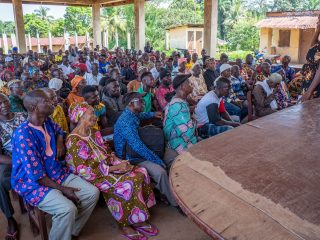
{"type": "Point", "coordinates": [260, 181]}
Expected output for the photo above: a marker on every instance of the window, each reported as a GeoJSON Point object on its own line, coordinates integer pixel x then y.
{"type": "Point", "coordinates": [284, 38]}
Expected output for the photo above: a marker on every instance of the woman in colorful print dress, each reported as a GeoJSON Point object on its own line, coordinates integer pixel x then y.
{"type": "Point", "coordinates": [125, 188]}
{"type": "Point", "coordinates": [311, 70]}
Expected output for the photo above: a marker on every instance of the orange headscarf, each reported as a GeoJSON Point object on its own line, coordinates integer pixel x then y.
{"type": "Point", "coordinates": [75, 82]}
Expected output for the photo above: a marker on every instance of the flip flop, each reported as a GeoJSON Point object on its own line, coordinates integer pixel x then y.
{"type": "Point", "coordinates": [148, 230]}
{"type": "Point", "coordinates": [134, 236]}
{"type": "Point", "coordinates": [12, 236]}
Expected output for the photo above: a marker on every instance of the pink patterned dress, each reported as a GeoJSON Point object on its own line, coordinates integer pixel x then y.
{"type": "Point", "coordinates": [128, 196]}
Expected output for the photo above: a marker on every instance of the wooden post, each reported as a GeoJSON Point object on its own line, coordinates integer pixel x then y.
{"type": "Point", "coordinates": [96, 25]}
{"type": "Point", "coordinates": [140, 37]}
{"type": "Point", "coordinates": [20, 31]}
{"type": "Point", "coordinates": [5, 43]}
{"type": "Point", "coordinates": [50, 41]}
{"type": "Point", "coordinates": [210, 26]}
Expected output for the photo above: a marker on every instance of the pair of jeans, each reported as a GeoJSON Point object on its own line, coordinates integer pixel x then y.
{"type": "Point", "coordinates": [234, 110]}
{"type": "Point", "coordinates": [209, 130]}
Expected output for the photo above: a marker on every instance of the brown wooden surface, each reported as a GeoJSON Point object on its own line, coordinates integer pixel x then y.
{"type": "Point", "coordinates": [259, 181]}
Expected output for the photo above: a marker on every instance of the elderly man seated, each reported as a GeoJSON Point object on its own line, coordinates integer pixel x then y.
{"type": "Point", "coordinates": [41, 179]}
{"type": "Point", "coordinates": [211, 115]}
{"type": "Point", "coordinates": [9, 121]}
{"type": "Point", "coordinates": [126, 132]}
{"type": "Point", "coordinates": [264, 95]}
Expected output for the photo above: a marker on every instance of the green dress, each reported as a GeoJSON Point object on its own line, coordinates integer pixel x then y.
{"type": "Point", "coordinates": [128, 196]}
{"type": "Point", "coordinates": [178, 126]}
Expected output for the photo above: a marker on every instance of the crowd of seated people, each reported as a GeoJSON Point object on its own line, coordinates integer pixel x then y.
{"type": "Point", "coordinates": [73, 125]}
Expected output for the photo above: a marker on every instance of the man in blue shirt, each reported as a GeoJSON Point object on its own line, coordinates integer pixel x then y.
{"type": "Point", "coordinates": [126, 132]}
{"type": "Point", "coordinates": [41, 179]}
{"type": "Point", "coordinates": [103, 65]}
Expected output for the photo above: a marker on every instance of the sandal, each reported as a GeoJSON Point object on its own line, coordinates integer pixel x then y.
{"type": "Point", "coordinates": [134, 236]}
{"type": "Point", "coordinates": [148, 230]}
{"type": "Point", "coordinates": [10, 236]}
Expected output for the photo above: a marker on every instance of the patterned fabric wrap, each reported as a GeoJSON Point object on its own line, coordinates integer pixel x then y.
{"type": "Point", "coordinates": [76, 111]}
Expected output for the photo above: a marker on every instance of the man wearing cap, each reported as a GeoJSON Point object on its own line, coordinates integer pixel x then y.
{"type": "Point", "coordinates": [16, 96]}
{"type": "Point", "coordinates": [211, 115]}
{"type": "Point", "coordinates": [178, 127]}
{"type": "Point", "coordinates": [126, 132]}
{"type": "Point", "coordinates": [211, 74]}
{"type": "Point", "coordinates": [264, 95]}
{"type": "Point", "coordinates": [164, 90]}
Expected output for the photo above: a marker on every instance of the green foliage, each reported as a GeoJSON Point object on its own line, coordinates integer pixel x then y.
{"type": "Point", "coordinates": [243, 36]}
{"type": "Point", "coordinates": [34, 24]}
{"type": "Point", "coordinates": [78, 20]}
{"type": "Point", "coordinates": [57, 27]}
{"type": "Point", "coordinates": [7, 27]}
{"type": "Point", "coordinates": [233, 55]}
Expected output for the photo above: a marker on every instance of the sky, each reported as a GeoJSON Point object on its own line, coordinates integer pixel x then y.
{"type": "Point", "coordinates": [7, 11]}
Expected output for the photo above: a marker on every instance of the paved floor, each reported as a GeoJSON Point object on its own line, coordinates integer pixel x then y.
{"type": "Point", "coordinates": [172, 225]}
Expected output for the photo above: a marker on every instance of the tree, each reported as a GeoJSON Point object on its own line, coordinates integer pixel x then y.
{"type": "Point", "coordinates": [7, 27]}
{"type": "Point", "coordinates": [42, 13]}
{"type": "Point", "coordinates": [78, 20]}
{"type": "Point", "coordinates": [244, 36]}
{"type": "Point", "coordinates": [57, 27]}
{"type": "Point", "coordinates": [34, 24]}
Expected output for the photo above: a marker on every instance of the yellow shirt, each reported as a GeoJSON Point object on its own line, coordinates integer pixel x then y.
{"type": "Point", "coordinates": [59, 118]}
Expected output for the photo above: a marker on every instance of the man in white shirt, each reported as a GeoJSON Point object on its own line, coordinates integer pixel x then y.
{"type": "Point", "coordinates": [65, 67]}
{"type": "Point", "coordinates": [211, 115]}
{"type": "Point", "coordinates": [94, 77]}
{"type": "Point", "coordinates": [156, 70]}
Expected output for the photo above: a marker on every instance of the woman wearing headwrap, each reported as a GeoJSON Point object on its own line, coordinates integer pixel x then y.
{"type": "Point", "coordinates": [311, 70]}
{"type": "Point", "coordinates": [125, 188]}
{"type": "Point", "coordinates": [77, 84]}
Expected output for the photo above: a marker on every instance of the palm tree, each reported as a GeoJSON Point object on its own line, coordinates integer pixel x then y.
{"type": "Point", "coordinates": [42, 13]}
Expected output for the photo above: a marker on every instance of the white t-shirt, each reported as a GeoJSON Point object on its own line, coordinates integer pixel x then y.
{"type": "Point", "coordinates": [93, 80]}
{"type": "Point", "coordinates": [201, 109]}
{"type": "Point", "coordinates": [155, 73]}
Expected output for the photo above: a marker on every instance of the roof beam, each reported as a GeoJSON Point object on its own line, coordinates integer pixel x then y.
{"type": "Point", "coordinates": [55, 2]}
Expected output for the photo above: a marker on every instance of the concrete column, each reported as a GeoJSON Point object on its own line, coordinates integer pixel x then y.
{"type": "Point", "coordinates": [140, 37]}
{"type": "Point", "coordinates": [117, 38]}
{"type": "Point", "coordinates": [106, 39]}
{"type": "Point", "coordinates": [13, 40]}
{"type": "Point", "coordinates": [210, 26]}
{"type": "Point", "coordinates": [5, 43]}
{"type": "Point", "coordinates": [167, 40]}
{"type": "Point", "coordinates": [38, 43]}
{"type": "Point", "coordinates": [18, 18]}
{"type": "Point", "coordinates": [50, 41]}
{"type": "Point", "coordinates": [128, 40]}
{"type": "Point", "coordinates": [88, 40]}
{"type": "Point", "coordinates": [76, 40]}
{"type": "Point", "coordinates": [30, 42]}
{"type": "Point", "coordinates": [96, 25]}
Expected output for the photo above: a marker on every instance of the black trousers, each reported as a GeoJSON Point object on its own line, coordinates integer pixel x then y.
{"type": "Point", "coordinates": [5, 186]}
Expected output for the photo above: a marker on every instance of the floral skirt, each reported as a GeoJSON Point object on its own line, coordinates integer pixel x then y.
{"type": "Point", "coordinates": [128, 199]}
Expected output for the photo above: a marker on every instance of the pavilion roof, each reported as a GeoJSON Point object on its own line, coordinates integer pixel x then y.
{"type": "Point", "coordinates": [290, 20]}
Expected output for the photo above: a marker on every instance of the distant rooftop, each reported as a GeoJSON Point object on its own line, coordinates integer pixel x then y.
{"type": "Point", "coordinates": [290, 20]}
